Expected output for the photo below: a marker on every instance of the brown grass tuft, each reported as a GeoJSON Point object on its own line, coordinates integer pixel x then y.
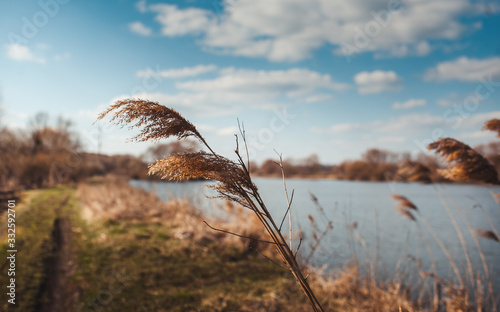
{"type": "Point", "coordinates": [405, 202]}
{"type": "Point", "coordinates": [493, 125]}
{"type": "Point", "coordinates": [466, 163]}
{"type": "Point", "coordinates": [405, 213]}
{"type": "Point", "coordinates": [487, 234]}
{"type": "Point", "coordinates": [201, 165]}
{"type": "Point", "coordinates": [235, 184]}
{"type": "Point", "coordinates": [412, 171]}
{"type": "Point", "coordinates": [156, 121]}
{"type": "Point", "coordinates": [398, 197]}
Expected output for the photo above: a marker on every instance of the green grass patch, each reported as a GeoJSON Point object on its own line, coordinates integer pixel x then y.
{"type": "Point", "coordinates": [135, 266]}
{"type": "Point", "coordinates": [149, 270]}
{"type": "Point", "coordinates": [34, 224]}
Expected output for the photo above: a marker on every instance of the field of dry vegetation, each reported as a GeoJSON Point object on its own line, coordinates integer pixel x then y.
{"type": "Point", "coordinates": [167, 259]}
{"type": "Point", "coordinates": [92, 242]}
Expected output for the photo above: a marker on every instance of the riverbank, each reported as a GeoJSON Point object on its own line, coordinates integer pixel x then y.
{"type": "Point", "coordinates": [122, 249]}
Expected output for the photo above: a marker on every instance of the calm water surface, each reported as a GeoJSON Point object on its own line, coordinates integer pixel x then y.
{"type": "Point", "coordinates": [380, 232]}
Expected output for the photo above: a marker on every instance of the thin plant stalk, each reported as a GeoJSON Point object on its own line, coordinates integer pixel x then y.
{"type": "Point", "coordinates": [460, 237]}
{"type": "Point", "coordinates": [481, 253]}
{"type": "Point", "coordinates": [445, 250]}
{"type": "Point", "coordinates": [159, 122]}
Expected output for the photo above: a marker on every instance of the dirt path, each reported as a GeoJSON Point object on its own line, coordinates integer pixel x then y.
{"type": "Point", "coordinates": [54, 294]}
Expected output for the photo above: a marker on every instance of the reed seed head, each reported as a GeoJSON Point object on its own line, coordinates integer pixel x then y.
{"type": "Point", "coordinates": [201, 165]}
{"type": "Point", "coordinates": [405, 213]}
{"type": "Point", "coordinates": [493, 125]}
{"type": "Point", "coordinates": [157, 121]}
{"type": "Point", "coordinates": [404, 202]}
{"type": "Point", "coordinates": [466, 163]}
{"type": "Point", "coordinates": [413, 171]}
{"type": "Point", "coordinates": [398, 197]}
{"type": "Point", "coordinates": [487, 234]}
{"type": "Point", "coordinates": [407, 204]}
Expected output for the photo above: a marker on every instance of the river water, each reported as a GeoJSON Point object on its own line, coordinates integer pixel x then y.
{"type": "Point", "coordinates": [368, 228]}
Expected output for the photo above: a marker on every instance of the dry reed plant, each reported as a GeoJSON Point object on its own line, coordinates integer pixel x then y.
{"type": "Point", "coordinates": [457, 296]}
{"type": "Point", "coordinates": [493, 125]}
{"type": "Point", "coordinates": [412, 171]}
{"type": "Point", "coordinates": [473, 233]}
{"type": "Point", "coordinates": [466, 163]}
{"type": "Point", "coordinates": [116, 201]}
{"type": "Point", "coordinates": [406, 204]}
{"type": "Point", "coordinates": [487, 234]}
{"type": "Point", "coordinates": [351, 291]}
{"type": "Point", "coordinates": [159, 122]}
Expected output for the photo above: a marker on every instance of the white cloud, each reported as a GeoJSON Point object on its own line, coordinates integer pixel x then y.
{"type": "Point", "coordinates": [477, 121]}
{"type": "Point", "coordinates": [449, 100]}
{"type": "Point", "coordinates": [401, 124]}
{"type": "Point", "coordinates": [411, 103]}
{"type": "Point", "coordinates": [391, 139]}
{"type": "Point", "coordinates": [22, 53]}
{"type": "Point", "coordinates": [178, 72]}
{"type": "Point", "coordinates": [177, 22]}
{"type": "Point", "coordinates": [291, 30]}
{"type": "Point", "coordinates": [140, 29]}
{"type": "Point", "coordinates": [141, 6]}
{"type": "Point", "coordinates": [423, 48]}
{"type": "Point", "coordinates": [62, 57]}
{"type": "Point", "coordinates": [476, 135]}
{"type": "Point", "coordinates": [377, 81]}
{"type": "Point", "coordinates": [320, 97]}
{"type": "Point", "coordinates": [293, 82]}
{"type": "Point", "coordinates": [228, 131]}
{"type": "Point", "coordinates": [234, 89]}
{"type": "Point", "coordinates": [445, 102]}
{"type": "Point", "coordinates": [464, 69]}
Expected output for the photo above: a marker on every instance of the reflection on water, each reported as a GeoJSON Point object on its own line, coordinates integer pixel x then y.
{"type": "Point", "coordinates": [380, 233]}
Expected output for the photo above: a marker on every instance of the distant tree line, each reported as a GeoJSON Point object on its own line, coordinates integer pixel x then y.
{"type": "Point", "coordinates": [49, 153]}
{"type": "Point", "coordinates": [374, 165]}
{"type": "Point", "coordinates": [46, 154]}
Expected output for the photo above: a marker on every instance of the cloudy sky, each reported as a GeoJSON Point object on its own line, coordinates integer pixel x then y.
{"type": "Point", "coordinates": [328, 77]}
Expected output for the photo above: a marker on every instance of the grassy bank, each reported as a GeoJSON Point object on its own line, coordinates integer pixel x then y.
{"type": "Point", "coordinates": [109, 247]}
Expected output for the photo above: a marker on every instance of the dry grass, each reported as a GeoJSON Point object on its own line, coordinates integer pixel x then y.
{"type": "Point", "coordinates": [235, 184]}
{"type": "Point", "coordinates": [466, 163]}
{"type": "Point", "coordinates": [493, 125]}
{"type": "Point", "coordinates": [412, 171]}
{"type": "Point", "coordinates": [116, 202]}
{"type": "Point", "coordinates": [157, 121]}
{"type": "Point", "coordinates": [456, 297]}
{"type": "Point", "coordinates": [487, 234]}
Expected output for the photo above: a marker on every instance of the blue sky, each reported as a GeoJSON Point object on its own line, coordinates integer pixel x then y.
{"type": "Point", "coordinates": [328, 77]}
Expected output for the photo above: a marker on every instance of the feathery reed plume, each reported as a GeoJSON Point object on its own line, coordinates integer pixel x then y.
{"type": "Point", "coordinates": [408, 204]}
{"type": "Point", "coordinates": [493, 125]}
{"type": "Point", "coordinates": [201, 165]}
{"type": "Point", "coordinates": [467, 164]}
{"type": "Point", "coordinates": [412, 171]}
{"type": "Point", "coordinates": [157, 121]}
{"type": "Point", "coordinates": [398, 197]}
{"type": "Point", "coordinates": [487, 234]}
{"type": "Point", "coordinates": [405, 203]}
{"type": "Point", "coordinates": [405, 213]}
{"type": "Point", "coordinates": [235, 184]}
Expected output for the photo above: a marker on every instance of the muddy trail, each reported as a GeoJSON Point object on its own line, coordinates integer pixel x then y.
{"type": "Point", "coordinates": [40, 232]}
{"type": "Point", "coordinates": [55, 294]}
